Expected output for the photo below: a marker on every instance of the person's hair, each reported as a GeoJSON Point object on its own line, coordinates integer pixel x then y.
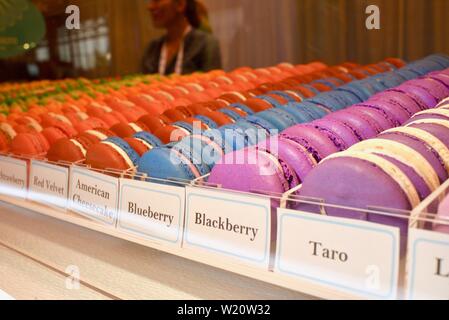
{"type": "Point", "coordinates": [191, 14]}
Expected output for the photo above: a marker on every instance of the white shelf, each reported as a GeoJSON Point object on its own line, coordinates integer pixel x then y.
{"type": "Point", "coordinates": [213, 260]}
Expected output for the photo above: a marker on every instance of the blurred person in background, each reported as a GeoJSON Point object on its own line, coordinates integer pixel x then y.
{"type": "Point", "coordinates": [188, 44]}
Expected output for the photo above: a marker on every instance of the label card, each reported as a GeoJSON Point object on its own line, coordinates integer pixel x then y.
{"type": "Point", "coordinates": [13, 177]}
{"type": "Point", "coordinates": [228, 223]}
{"type": "Point", "coordinates": [94, 194]}
{"type": "Point", "coordinates": [49, 183]}
{"type": "Point", "coordinates": [152, 210]}
{"type": "Point", "coordinates": [428, 265]}
{"type": "Point", "coordinates": [353, 256]}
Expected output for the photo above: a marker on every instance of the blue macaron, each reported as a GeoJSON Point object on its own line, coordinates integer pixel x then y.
{"type": "Point", "coordinates": [278, 118]}
{"type": "Point", "coordinates": [208, 121]}
{"type": "Point", "coordinates": [206, 146]}
{"type": "Point", "coordinates": [348, 98]}
{"type": "Point", "coordinates": [357, 89]}
{"type": "Point", "coordinates": [328, 101]}
{"type": "Point", "coordinates": [270, 100]}
{"type": "Point", "coordinates": [237, 136]}
{"type": "Point", "coordinates": [172, 162]}
{"type": "Point", "coordinates": [301, 115]}
{"type": "Point", "coordinates": [389, 79]}
{"type": "Point", "coordinates": [149, 138]}
{"type": "Point", "coordinates": [315, 110]}
{"type": "Point", "coordinates": [260, 123]}
{"type": "Point", "coordinates": [406, 74]}
{"type": "Point", "coordinates": [231, 113]}
{"type": "Point", "coordinates": [122, 144]}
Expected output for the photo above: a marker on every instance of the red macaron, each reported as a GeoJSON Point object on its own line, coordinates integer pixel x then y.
{"type": "Point", "coordinates": [29, 144]}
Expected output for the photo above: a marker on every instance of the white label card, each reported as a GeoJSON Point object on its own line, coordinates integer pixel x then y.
{"type": "Point", "coordinates": [49, 183]}
{"type": "Point", "coordinates": [13, 177]}
{"type": "Point", "coordinates": [152, 210]}
{"type": "Point", "coordinates": [228, 223]}
{"type": "Point", "coordinates": [94, 195]}
{"type": "Point", "coordinates": [352, 256]}
{"type": "Point", "coordinates": [428, 265]}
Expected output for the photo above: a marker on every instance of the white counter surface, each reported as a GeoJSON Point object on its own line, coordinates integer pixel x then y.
{"type": "Point", "coordinates": [39, 253]}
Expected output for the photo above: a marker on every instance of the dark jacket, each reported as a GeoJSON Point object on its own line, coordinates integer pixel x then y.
{"type": "Point", "coordinates": [201, 53]}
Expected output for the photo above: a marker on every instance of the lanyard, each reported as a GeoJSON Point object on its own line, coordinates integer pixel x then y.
{"type": "Point", "coordinates": [179, 58]}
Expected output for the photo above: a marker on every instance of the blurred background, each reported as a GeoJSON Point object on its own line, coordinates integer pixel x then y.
{"type": "Point", "coordinates": [115, 33]}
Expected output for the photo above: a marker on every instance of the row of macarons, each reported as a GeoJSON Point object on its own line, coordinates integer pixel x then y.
{"type": "Point", "coordinates": [197, 155]}
{"type": "Point", "coordinates": [19, 97]}
{"type": "Point", "coordinates": [157, 103]}
{"type": "Point", "coordinates": [65, 144]}
{"type": "Point", "coordinates": [149, 105]}
{"type": "Point", "coordinates": [391, 173]}
{"type": "Point", "coordinates": [285, 160]}
{"type": "Point", "coordinates": [278, 105]}
{"type": "Point", "coordinates": [152, 93]}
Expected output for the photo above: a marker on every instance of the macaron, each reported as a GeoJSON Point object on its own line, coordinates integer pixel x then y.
{"type": "Point", "coordinates": [393, 111]}
{"type": "Point", "coordinates": [152, 123]}
{"type": "Point", "coordinates": [208, 146]}
{"type": "Point", "coordinates": [124, 130]}
{"type": "Point", "coordinates": [30, 123]}
{"type": "Point", "coordinates": [362, 126]}
{"type": "Point", "coordinates": [279, 118]}
{"type": "Point", "coordinates": [90, 123]}
{"type": "Point", "coordinates": [172, 163]}
{"type": "Point", "coordinates": [97, 134]}
{"type": "Point", "coordinates": [70, 150]}
{"type": "Point", "coordinates": [175, 115]}
{"type": "Point", "coordinates": [382, 121]}
{"type": "Point", "coordinates": [257, 105]}
{"type": "Point", "coordinates": [317, 142]}
{"type": "Point", "coordinates": [58, 131]}
{"type": "Point", "coordinates": [172, 133]}
{"type": "Point", "coordinates": [241, 134]}
{"type": "Point", "coordinates": [29, 144]}
{"type": "Point", "coordinates": [253, 170]}
{"type": "Point", "coordinates": [430, 147]}
{"type": "Point", "coordinates": [51, 118]}
{"type": "Point", "coordinates": [341, 134]}
{"type": "Point", "coordinates": [291, 152]}
{"type": "Point", "coordinates": [112, 153]}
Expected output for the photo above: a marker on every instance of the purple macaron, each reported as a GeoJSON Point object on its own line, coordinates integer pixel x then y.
{"type": "Point", "coordinates": [253, 170]}
{"type": "Point", "coordinates": [410, 103]}
{"type": "Point", "coordinates": [315, 141]}
{"type": "Point", "coordinates": [429, 153]}
{"type": "Point", "coordinates": [339, 129]}
{"type": "Point", "coordinates": [418, 94]}
{"type": "Point", "coordinates": [429, 114]}
{"type": "Point", "coordinates": [438, 90]}
{"type": "Point", "coordinates": [393, 111]}
{"type": "Point", "coordinates": [383, 121]}
{"type": "Point", "coordinates": [291, 152]}
{"type": "Point", "coordinates": [362, 126]}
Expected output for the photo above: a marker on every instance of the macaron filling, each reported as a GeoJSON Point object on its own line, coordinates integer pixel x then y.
{"type": "Point", "coordinates": [401, 153]}
{"type": "Point", "coordinates": [135, 127]}
{"type": "Point", "coordinates": [79, 146]}
{"type": "Point", "coordinates": [438, 147]}
{"type": "Point", "coordinates": [98, 134]}
{"type": "Point", "coordinates": [391, 170]}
